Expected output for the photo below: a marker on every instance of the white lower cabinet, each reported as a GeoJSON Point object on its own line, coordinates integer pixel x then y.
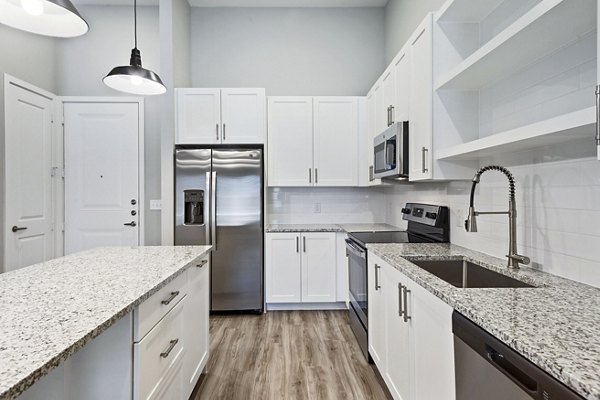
{"type": "Point", "coordinates": [196, 324]}
{"type": "Point", "coordinates": [410, 335]}
{"type": "Point", "coordinates": [301, 267]}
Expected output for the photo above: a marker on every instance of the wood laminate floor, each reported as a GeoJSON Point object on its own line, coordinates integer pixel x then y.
{"type": "Point", "coordinates": [287, 355]}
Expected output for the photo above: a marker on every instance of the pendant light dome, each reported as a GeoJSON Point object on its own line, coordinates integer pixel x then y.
{"type": "Point", "coordinates": [133, 78]}
{"type": "Point", "coordinates": [57, 18]}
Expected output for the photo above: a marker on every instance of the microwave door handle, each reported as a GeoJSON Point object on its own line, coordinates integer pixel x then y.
{"type": "Point", "coordinates": [385, 153]}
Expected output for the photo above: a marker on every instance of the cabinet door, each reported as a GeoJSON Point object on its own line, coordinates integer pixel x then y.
{"type": "Point", "coordinates": [290, 150]}
{"type": "Point", "coordinates": [319, 278]}
{"type": "Point", "coordinates": [433, 346]}
{"type": "Point", "coordinates": [336, 141]}
{"type": "Point", "coordinates": [399, 376]}
{"type": "Point", "coordinates": [198, 116]}
{"type": "Point", "coordinates": [389, 94]}
{"type": "Point", "coordinates": [380, 109]}
{"type": "Point", "coordinates": [402, 80]}
{"type": "Point", "coordinates": [243, 114]}
{"type": "Point", "coordinates": [421, 102]}
{"type": "Point", "coordinates": [377, 313]}
{"type": "Point", "coordinates": [283, 271]}
{"type": "Point", "coordinates": [196, 324]}
{"type": "Point", "coordinates": [343, 284]}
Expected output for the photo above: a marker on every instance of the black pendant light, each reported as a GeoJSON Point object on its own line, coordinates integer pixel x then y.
{"type": "Point", "coordinates": [57, 18]}
{"type": "Point", "coordinates": [133, 78]}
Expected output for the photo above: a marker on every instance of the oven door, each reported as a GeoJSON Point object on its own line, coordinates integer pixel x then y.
{"type": "Point", "coordinates": [357, 273]}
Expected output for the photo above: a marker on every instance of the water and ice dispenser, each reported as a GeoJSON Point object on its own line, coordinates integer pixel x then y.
{"type": "Point", "coordinates": [194, 207]}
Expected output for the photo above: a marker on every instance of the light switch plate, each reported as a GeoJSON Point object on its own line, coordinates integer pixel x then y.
{"type": "Point", "coordinates": [155, 205]}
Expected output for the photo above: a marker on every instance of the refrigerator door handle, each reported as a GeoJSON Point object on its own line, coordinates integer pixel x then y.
{"type": "Point", "coordinates": [213, 211]}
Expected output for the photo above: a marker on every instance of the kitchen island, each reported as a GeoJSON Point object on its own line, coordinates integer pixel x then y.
{"type": "Point", "coordinates": [53, 310]}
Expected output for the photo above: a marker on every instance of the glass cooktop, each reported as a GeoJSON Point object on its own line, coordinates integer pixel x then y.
{"type": "Point", "coordinates": [363, 238]}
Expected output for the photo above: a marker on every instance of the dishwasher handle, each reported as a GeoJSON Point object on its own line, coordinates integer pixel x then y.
{"type": "Point", "coordinates": [513, 372]}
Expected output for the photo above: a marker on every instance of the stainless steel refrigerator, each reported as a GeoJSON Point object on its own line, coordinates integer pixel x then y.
{"type": "Point", "coordinates": [219, 201]}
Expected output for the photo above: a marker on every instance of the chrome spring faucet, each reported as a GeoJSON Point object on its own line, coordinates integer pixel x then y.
{"type": "Point", "coordinates": [471, 223]}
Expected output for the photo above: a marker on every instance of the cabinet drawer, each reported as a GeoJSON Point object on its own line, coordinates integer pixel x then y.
{"type": "Point", "coordinates": [159, 354]}
{"type": "Point", "coordinates": [147, 314]}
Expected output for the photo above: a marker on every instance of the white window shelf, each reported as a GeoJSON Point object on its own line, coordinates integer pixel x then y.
{"type": "Point", "coordinates": [567, 127]}
{"type": "Point", "coordinates": [545, 28]}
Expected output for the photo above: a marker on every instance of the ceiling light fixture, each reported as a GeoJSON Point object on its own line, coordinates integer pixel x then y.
{"type": "Point", "coordinates": [57, 18]}
{"type": "Point", "coordinates": [133, 78]}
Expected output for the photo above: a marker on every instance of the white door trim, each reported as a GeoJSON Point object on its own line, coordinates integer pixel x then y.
{"type": "Point", "coordinates": [57, 146]}
{"type": "Point", "coordinates": [140, 102]}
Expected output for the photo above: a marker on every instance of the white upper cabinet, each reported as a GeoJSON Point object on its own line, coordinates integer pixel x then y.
{"type": "Point", "coordinates": [421, 101]}
{"type": "Point", "coordinates": [198, 116]}
{"type": "Point", "coordinates": [313, 141]}
{"type": "Point", "coordinates": [335, 141]}
{"type": "Point", "coordinates": [243, 114]}
{"type": "Point", "coordinates": [290, 149]}
{"type": "Point", "coordinates": [215, 116]}
{"type": "Point", "coordinates": [389, 94]}
{"type": "Point", "coordinates": [401, 71]}
{"type": "Point", "coordinates": [380, 108]}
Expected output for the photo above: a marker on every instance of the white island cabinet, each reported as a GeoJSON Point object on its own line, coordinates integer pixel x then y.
{"type": "Point", "coordinates": [157, 349]}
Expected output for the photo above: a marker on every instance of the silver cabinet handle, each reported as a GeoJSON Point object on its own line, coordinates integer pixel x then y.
{"type": "Point", "coordinates": [423, 158]}
{"type": "Point", "coordinates": [377, 268]}
{"type": "Point", "coordinates": [202, 263]}
{"type": "Point", "coordinates": [217, 131]}
{"type": "Point", "coordinates": [18, 228]}
{"type": "Point", "coordinates": [224, 135]}
{"type": "Point", "coordinates": [400, 310]}
{"type": "Point", "coordinates": [392, 115]}
{"type": "Point", "coordinates": [169, 349]}
{"type": "Point", "coordinates": [132, 223]}
{"type": "Point", "coordinates": [310, 175]}
{"type": "Point", "coordinates": [371, 173]}
{"type": "Point", "coordinates": [297, 244]}
{"type": "Point", "coordinates": [316, 175]}
{"type": "Point", "coordinates": [166, 302]}
{"type": "Point", "coordinates": [598, 120]}
{"type": "Point", "coordinates": [405, 302]}
{"type": "Point", "coordinates": [304, 244]}
{"type": "Point", "coordinates": [388, 116]}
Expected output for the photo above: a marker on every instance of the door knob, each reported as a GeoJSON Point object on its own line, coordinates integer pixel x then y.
{"type": "Point", "coordinates": [18, 228]}
{"type": "Point", "coordinates": [132, 223]}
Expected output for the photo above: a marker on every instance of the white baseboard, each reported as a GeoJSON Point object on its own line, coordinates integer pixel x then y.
{"type": "Point", "coordinates": [306, 306]}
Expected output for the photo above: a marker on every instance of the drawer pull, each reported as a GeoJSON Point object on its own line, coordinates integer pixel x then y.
{"type": "Point", "coordinates": [172, 345]}
{"type": "Point", "coordinates": [170, 299]}
{"type": "Point", "coordinates": [202, 263]}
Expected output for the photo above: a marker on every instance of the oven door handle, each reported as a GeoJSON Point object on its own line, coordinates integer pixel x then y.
{"type": "Point", "coordinates": [354, 249]}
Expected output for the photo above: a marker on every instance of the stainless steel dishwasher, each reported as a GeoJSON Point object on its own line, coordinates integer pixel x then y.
{"type": "Point", "coordinates": [487, 369]}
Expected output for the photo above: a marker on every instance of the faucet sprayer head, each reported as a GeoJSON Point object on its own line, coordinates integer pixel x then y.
{"type": "Point", "coordinates": [471, 221]}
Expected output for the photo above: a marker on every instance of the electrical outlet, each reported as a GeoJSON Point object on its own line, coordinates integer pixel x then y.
{"type": "Point", "coordinates": [317, 208]}
{"type": "Point", "coordinates": [155, 205]}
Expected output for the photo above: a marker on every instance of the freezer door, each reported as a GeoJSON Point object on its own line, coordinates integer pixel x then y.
{"type": "Point", "coordinates": [237, 262]}
{"type": "Point", "coordinates": [192, 196]}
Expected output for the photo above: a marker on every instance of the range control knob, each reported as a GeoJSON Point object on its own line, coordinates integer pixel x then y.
{"type": "Point", "coordinates": [406, 211]}
{"type": "Point", "coordinates": [431, 215]}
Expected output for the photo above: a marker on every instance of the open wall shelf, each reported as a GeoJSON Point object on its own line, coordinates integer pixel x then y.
{"type": "Point", "coordinates": [545, 28]}
{"type": "Point", "coordinates": [567, 127]}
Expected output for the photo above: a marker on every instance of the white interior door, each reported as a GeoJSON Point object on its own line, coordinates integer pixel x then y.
{"type": "Point", "coordinates": [101, 175]}
{"type": "Point", "coordinates": [28, 235]}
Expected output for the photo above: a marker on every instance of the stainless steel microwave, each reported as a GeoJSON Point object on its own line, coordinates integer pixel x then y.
{"type": "Point", "coordinates": [390, 151]}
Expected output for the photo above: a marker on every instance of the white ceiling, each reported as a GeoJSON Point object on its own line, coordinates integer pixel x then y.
{"type": "Point", "coordinates": [247, 3]}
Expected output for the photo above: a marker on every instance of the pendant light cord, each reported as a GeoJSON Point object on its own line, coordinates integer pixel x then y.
{"type": "Point", "coordinates": [135, 22]}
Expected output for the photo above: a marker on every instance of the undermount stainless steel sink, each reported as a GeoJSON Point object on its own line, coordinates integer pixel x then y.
{"type": "Point", "coordinates": [464, 274]}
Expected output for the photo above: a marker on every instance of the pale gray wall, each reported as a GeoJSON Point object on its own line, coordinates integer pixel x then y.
{"type": "Point", "coordinates": [289, 51]}
{"type": "Point", "coordinates": [401, 19]}
{"type": "Point", "coordinates": [30, 58]}
{"type": "Point", "coordinates": [85, 60]}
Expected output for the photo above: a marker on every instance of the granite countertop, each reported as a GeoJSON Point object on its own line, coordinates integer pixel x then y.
{"type": "Point", "coordinates": [555, 325]}
{"type": "Point", "coordinates": [368, 227]}
{"type": "Point", "coordinates": [51, 310]}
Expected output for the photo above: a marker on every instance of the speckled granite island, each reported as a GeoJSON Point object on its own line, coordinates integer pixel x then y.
{"type": "Point", "coordinates": [556, 325]}
{"type": "Point", "coordinates": [51, 310]}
